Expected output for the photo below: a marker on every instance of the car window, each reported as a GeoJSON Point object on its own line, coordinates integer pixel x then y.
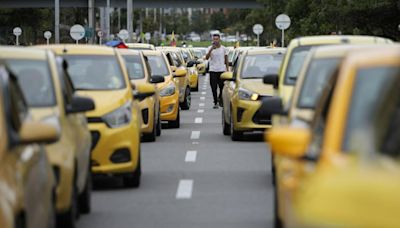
{"type": "Point", "coordinates": [35, 81]}
{"type": "Point", "coordinates": [19, 109]}
{"type": "Point", "coordinates": [295, 63]}
{"type": "Point", "coordinates": [158, 66]}
{"type": "Point", "coordinates": [95, 72]}
{"type": "Point", "coordinates": [370, 84]}
{"type": "Point", "coordinates": [317, 75]}
{"type": "Point", "coordinates": [134, 66]}
{"type": "Point", "coordinates": [257, 66]}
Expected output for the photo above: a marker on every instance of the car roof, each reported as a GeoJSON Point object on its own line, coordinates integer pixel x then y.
{"type": "Point", "coordinates": [7, 52]}
{"type": "Point", "coordinates": [77, 49]}
{"type": "Point", "coordinates": [327, 39]}
{"type": "Point", "coordinates": [331, 51]}
{"type": "Point", "coordinates": [124, 51]}
{"type": "Point", "coordinates": [152, 52]}
{"type": "Point", "coordinates": [266, 51]}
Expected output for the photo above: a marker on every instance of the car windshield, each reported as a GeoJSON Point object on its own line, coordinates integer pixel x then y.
{"type": "Point", "coordinates": [257, 66]}
{"type": "Point", "coordinates": [90, 72]}
{"type": "Point", "coordinates": [158, 65]}
{"type": "Point", "coordinates": [371, 84]}
{"type": "Point", "coordinates": [134, 65]}
{"type": "Point", "coordinates": [35, 80]}
{"type": "Point", "coordinates": [198, 53]}
{"type": "Point", "coordinates": [295, 63]}
{"type": "Point", "coordinates": [318, 73]}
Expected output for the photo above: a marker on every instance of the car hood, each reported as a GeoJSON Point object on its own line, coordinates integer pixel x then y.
{"type": "Point", "coordinates": [257, 86]}
{"type": "Point", "coordinates": [106, 101]}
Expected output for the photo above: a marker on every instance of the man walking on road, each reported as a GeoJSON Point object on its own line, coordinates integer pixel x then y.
{"type": "Point", "coordinates": [217, 57]}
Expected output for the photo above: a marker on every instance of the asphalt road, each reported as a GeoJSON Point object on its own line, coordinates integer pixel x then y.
{"type": "Point", "coordinates": [192, 177]}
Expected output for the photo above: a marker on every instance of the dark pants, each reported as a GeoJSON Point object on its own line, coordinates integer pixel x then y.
{"type": "Point", "coordinates": [215, 82]}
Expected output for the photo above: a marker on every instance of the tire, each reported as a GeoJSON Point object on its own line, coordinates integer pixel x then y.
{"type": "Point", "coordinates": [196, 89]}
{"type": "Point", "coordinates": [235, 135]}
{"type": "Point", "coordinates": [68, 218]}
{"type": "Point", "coordinates": [51, 223]}
{"type": "Point", "coordinates": [185, 105]}
{"type": "Point", "coordinates": [132, 180]}
{"type": "Point", "coordinates": [175, 123]}
{"type": "Point", "coordinates": [150, 137]}
{"type": "Point", "coordinates": [226, 128]}
{"type": "Point", "coordinates": [85, 196]}
{"type": "Point", "coordinates": [273, 170]}
{"type": "Point", "coordinates": [277, 220]}
{"type": "Point", "coordinates": [158, 127]}
{"type": "Point", "coordinates": [20, 221]}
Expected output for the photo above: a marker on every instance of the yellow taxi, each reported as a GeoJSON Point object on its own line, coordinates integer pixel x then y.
{"type": "Point", "coordinates": [100, 73]}
{"type": "Point", "coordinates": [140, 46]}
{"type": "Point", "coordinates": [139, 72]}
{"type": "Point", "coordinates": [191, 65]}
{"type": "Point", "coordinates": [244, 89]}
{"type": "Point", "coordinates": [169, 89]}
{"type": "Point", "coordinates": [26, 176]}
{"type": "Point", "coordinates": [297, 51]}
{"type": "Point", "coordinates": [342, 130]}
{"type": "Point", "coordinates": [177, 62]}
{"type": "Point", "coordinates": [199, 55]}
{"type": "Point", "coordinates": [50, 97]}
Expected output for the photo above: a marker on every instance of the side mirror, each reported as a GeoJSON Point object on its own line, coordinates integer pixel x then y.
{"type": "Point", "coordinates": [143, 90]}
{"type": "Point", "coordinates": [38, 132]}
{"type": "Point", "coordinates": [173, 68]}
{"type": "Point", "coordinates": [190, 64]}
{"type": "Point", "coordinates": [272, 106]}
{"type": "Point", "coordinates": [230, 64]}
{"type": "Point", "coordinates": [288, 141]}
{"type": "Point", "coordinates": [271, 79]}
{"type": "Point", "coordinates": [157, 79]}
{"type": "Point", "coordinates": [80, 104]}
{"type": "Point", "coordinates": [180, 73]}
{"type": "Point", "coordinates": [227, 76]}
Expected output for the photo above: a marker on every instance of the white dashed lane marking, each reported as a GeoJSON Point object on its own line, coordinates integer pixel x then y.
{"type": "Point", "coordinates": [198, 120]}
{"type": "Point", "coordinates": [200, 111]}
{"type": "Point", "coordinates": [202, 98]}
{"type": "Point", "coordinates": [201, 104]}
{"type": "Point", "coordinates": [195, 135]}
{"type": "Point", "coordinates": [185, 188]}
{"type": "Point", "coordinates": [191, 156]}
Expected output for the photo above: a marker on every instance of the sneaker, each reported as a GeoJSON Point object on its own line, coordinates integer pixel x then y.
{"type": "Point", "coordinates": [215, 106]}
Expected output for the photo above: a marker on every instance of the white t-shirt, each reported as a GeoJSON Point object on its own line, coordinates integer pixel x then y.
{"type": "Point", "coordinates": [217, 59]}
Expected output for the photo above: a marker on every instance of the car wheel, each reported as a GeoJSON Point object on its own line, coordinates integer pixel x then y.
{"type": "Point", "coordinates": [235, 135]}
{"type": "Point", "coordinates": [68, 218]}
{"type": "Point", "coordinates": [151, 137]}
{"type": "Point", "coordinates": [132, 180]}
{"type": "Point", "coordinates": [20, 221]}
{"type": "Point", "coordinates": [175, 123]}
{"type": "Point", "coordinates": [188, 100]}
{"type": "Point", "coordinates": [158, 130]}
{"type": "Point", "coordinates": [226, 127]}
{"type": "Point", "coordinates": [85, 196]}
{"type": "Point", "coordinates": [196, 89]}
{"type": "Point", "coordinates": [277, 220]}
{"type": "Point", "coordinates": [52, 212]}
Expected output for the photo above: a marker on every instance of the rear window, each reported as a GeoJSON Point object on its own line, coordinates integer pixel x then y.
{"type": "Point", "coordinates": [371, 84]}
{"type": "Point", "coordinates": [134, 66]}
{"type": "Point", "coordinates": [257, 66]}
{"type": "Point", "coordinates": [318, 74]}
{"type": "Point", "coordinates": [35, 81]}
{"type": "Point", "coordinates": [296, 61]}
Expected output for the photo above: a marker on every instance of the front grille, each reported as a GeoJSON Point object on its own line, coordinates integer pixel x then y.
{"type": "Point", "coordinates": [121, 156]}
{"type": "Point", "coordinates": [261, 118]}
{"type": "Point", "coordinates": [145, 115]}
{"type": "Point", "coordinates": [95, 138]}
{"type": "Point", "coordinates": [95, 120]}
{"type": "Point", "coordinates": [240, 114]}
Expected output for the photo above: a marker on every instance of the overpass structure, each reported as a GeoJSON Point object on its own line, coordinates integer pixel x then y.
{"type": "Point", "coordinates": [128, 4]}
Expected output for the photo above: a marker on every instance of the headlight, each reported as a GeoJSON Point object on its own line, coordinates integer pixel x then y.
{"type": "Point", "coordinates": [192, 71]}
{"type": "Point", "coordinates": [245, 94]}
{"type": "Point", "coordinates": [119, 117]}
{"type": "Point", "coordinates": [168, 91]}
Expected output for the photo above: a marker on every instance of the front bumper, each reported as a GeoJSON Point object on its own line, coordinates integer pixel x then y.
{"type": "Point", "coordinates": [169, 107]}
{"type": "Point", "coordinates": [193, 81]}
{"type": "Point", "coordinates": [108, 141]}
{"type": "Point", "coordinates": [247, 118]}
{"type": "Point", "coordinates": [147, 109]}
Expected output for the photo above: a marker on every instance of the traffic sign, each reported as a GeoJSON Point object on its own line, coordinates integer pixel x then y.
{"type": "Point", "coordinates": [100, 33]}
{"type": "Point", "coordinates": [77, 32]}
{"type": "Point", "coordinates": [258, 29]}
{"type": "Point", "coordinates": [17, 31]}
{"type": "Point", "coordinates": [282, 21]}
{"type": "Point", "coordinates": [47, 36]}
{"type": "Point", "coordinates": [123, 34]}
{"type": "Point", "coordinates": [147, 36]}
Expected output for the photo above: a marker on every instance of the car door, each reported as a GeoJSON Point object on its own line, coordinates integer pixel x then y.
{"type": "Point", "coordinates": [31, 164]}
